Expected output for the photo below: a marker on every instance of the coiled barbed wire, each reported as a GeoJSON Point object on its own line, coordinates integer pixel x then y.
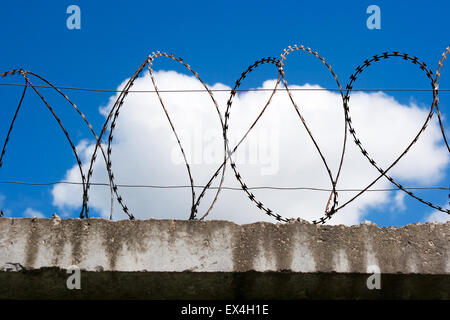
{"type": "Point", "coordinates": [438, 75]}
{"type": "Point", "coordinates": [25, 74]}
{"type": "Point", "coordinates": [112, 117]}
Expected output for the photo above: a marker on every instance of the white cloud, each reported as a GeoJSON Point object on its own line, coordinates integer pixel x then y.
{"type": "Point", "coordinates": [438, 216]}
{"type": "Point", "coordinates": [399, 202]}
{"type": "Point", "coordinates": [29, 212]}
{"type": "Point", "coordinates": [277, 153]}
{"type": "Point", "coordinates": [6, 212]}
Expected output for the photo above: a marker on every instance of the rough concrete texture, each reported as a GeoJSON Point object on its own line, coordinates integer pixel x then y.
{"type": "Point", "coordinates": [220, 246]}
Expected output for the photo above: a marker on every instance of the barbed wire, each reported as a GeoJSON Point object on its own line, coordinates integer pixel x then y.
{"type": "Point", "coordinates": [332, 205]}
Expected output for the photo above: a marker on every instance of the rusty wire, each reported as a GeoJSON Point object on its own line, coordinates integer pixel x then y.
{"type": "Point", "coordinates": [331, 207]}
{"type": "Point", "coordinates": [25, 74]}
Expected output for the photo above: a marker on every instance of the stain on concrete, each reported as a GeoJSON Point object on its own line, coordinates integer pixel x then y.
{"type": "Point", "coordinates": [76, 232]}
{"type": "Point", "coordinates": [245, 248]}
{"type": "Point", "coordinates": [32, 244]}
{"type": "Point", "coordinates": [177, 245]}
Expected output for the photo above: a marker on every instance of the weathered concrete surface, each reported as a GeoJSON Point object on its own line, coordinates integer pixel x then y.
{"type": "Point", "coordinates": [220, 246]}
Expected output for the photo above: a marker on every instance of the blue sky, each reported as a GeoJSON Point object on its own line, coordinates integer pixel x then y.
{"type": "Point", "coordinates": [220, 39]}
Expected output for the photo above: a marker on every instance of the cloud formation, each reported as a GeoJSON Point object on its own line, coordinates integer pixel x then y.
{"type": "Point", "coordinates": [30, 213]}
{"type": "Point", "coordinates": [277, 152]}
{"type": "Point", "coordinates": [438, 216]}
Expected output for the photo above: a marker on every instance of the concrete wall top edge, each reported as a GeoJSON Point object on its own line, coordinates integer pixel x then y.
{"type": "Point", "coordinates": [171, 245]}
{"type": "Point", "coordinates": [293, 221]}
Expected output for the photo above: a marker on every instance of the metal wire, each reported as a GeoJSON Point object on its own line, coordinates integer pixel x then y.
{"type": "Point", "coordinates": [332, 205]}
{"type": "Point", "coordinates": [218, 90]}
{"type": "Point", "coordinates": [383, 172]}
{"type": "Point", "coordinates": [52, 183]}
{"type": "Point", "coordinates": [25, 74]}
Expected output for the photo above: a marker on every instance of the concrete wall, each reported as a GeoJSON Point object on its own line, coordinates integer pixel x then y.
{"type": "Point", "coordinates": [167, 259]}
{"type": "Point", "coordinates": [220, 246]}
